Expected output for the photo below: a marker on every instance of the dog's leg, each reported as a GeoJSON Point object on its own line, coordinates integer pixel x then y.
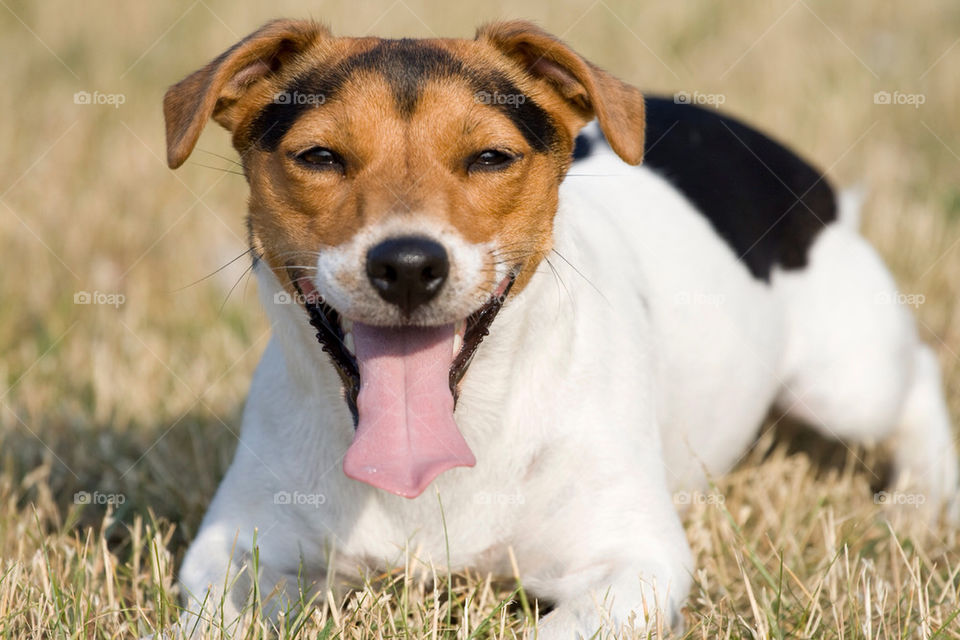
{"type": "Point", "coordinates": [612, 557]}
{"type": "Point", "coordinates": [925, 458]}
{"type": "Point", "coordinates": [639, 598]}
{"type": "Point", "coordinates": [217, 585]}
{"type": "Point", "coordinates": [856, 370]}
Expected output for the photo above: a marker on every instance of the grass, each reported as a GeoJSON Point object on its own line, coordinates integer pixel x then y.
{"type": "Point", "coordinates": [133, 408]}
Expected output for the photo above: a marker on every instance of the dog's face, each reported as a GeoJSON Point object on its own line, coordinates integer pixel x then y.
{"type": "Point", "coordinates": [409, 163]}
{"type": "Point", "coordinates": [402, 189]}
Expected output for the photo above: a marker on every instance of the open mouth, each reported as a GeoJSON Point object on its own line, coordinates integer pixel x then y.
{"type": "Point", "coordinates": [334, 334]}
{"type": "Point", "coordinates": [401, 385]}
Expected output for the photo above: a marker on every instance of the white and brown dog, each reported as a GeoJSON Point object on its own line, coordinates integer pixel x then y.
{"type": "Point", "coordinates": [407, 196]}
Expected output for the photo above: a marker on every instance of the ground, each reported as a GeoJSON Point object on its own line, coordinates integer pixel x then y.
{"type": "Point", "coordinates": [127, 351]}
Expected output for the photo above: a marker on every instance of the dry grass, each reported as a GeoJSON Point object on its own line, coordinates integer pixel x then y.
{"type": "Point", "coordinates": [142, 400]}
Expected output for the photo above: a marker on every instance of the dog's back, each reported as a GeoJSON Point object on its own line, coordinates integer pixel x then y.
{"type": "Point", "coordinates": [761, 292]}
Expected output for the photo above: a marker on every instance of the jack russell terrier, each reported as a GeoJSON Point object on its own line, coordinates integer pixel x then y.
{"type": "Point", "coordinates": [551, 351]}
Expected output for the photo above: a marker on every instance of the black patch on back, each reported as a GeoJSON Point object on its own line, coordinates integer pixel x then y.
{"type": "Point", "coordinates": [767, 203]}
{"type": "Point", "coordinates": [407, 65]}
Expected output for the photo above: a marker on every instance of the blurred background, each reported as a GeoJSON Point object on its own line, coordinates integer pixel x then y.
{"type": "Point", "coordinates": [128, 327]}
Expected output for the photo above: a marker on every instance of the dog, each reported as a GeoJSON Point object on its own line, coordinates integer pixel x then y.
{"type": "Point", "coordinates": [497, 272]}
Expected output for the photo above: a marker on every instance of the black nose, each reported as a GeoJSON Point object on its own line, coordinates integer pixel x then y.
{"type": "Point", "coordinates": [408, 271]}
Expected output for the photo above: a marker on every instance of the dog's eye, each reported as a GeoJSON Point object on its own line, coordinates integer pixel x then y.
{"type": "Point", "coordinates": [491, 160]}
{"type": "Point", "coordinates": [320, 158]}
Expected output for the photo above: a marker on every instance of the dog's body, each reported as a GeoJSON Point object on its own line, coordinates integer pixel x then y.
{"type": "Point", "coordinates": [643, 357]}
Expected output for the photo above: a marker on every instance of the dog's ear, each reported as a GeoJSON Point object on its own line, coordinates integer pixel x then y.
{"type": "Point", "coordinates": [211, 91]}
{"type": "Point", "coordinates": [590, 91]}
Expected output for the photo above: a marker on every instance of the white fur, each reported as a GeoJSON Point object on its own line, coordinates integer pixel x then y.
{"type": "Point", "coordinates": [599, 392]}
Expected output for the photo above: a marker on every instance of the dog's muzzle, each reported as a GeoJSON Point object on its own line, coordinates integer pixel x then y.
{"type": "Point", "coordinates": [401, 382]}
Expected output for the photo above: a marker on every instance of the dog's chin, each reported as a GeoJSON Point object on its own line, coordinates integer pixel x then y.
{"type": "Point", "coordinates": [336, 335]}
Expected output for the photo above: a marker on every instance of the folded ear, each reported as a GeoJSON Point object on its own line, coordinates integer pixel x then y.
{"type": "Point", "coordinates": [590, 91]}
{"type": "Point", "coordinates": [211, 91]}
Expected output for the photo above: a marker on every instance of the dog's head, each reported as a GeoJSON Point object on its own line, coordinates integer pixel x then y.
{"type": "Point", "coordinates": [402, 189]}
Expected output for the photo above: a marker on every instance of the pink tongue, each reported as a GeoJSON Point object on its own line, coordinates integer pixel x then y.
{"type": "Point", "coordinates": [406, 436]}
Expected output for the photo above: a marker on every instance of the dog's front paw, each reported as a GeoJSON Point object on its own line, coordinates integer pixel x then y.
{"type": "Point", "coordinates": [558, 626]}
{"type": "Point", "coordinates": [924, 483]}
{"type": "Point", "coordinates": [571, 624]}
{"type": "Point", "coordinates": [625, 609]}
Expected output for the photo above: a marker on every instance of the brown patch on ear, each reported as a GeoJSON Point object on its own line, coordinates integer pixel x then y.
{"type": "Point", "coordinates": [588, 90]}
{"type": "Point", "coordinates": [213, 90]}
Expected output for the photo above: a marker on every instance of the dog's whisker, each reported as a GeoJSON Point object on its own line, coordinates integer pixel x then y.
{"type": "Point", "coordinates": [217, 155]}
{"type": "Point", "coordinates": [207, 166]}
{"type": "Point", "coordinates": [214, 272]}
{"type": "Point", "coordinates": [284, 269]}
{"type": "Point", "coordinates": [512, 251]}
{"type": "Point", "coordinates": [514, 256]}
{"type": "Point", "coordinates": [580, 273]}
{"type": "Point", "coordinates": [298, 254]}
{"type": "Point", "coordinates": [526, 242]}
{"type": "Point", "coordinates": [560, 282]}
{"type": "Point", "coordinates": [246, 272]}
